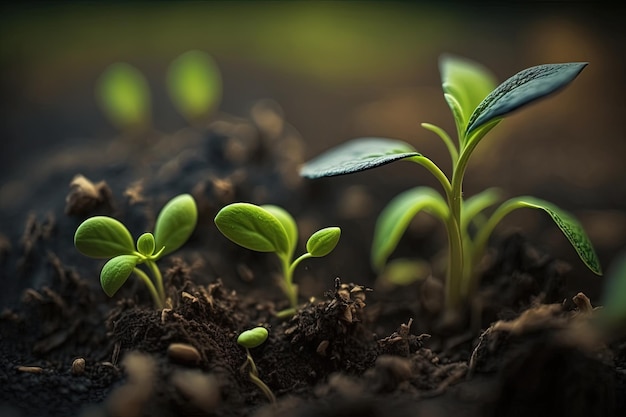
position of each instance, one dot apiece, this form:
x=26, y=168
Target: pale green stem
x=434, y=169
x=153, y=292
x=254, y=377
x=454, y=153
x=157, y=277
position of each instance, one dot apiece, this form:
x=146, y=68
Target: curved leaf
x=115, y=273
x=395, y=218
x=357, y=155
x=124, y=96
x=322, y=242
x=289, y=224
x=570, y=227
x=253, y=337
x=523, y=88
x=195, y=84
x=175, y=223
x=103, y=237
x=465, y=84
x=477, y=203
x=252, y=227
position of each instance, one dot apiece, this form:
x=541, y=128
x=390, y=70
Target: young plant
x=251, y=339
x=477, y=106
x=105, y=237
x=270, y=228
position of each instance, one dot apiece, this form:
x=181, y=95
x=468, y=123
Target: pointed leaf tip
x=523, y=88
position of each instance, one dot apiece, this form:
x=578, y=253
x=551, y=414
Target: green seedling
x=105, y=237
x=195, y=84
x=251, y=339
x=477, y=106
x=124, y=96
x=270, y=228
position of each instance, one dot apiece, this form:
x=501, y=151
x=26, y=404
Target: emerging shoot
x=251, y=339
x=271, y=229
x=105, y=237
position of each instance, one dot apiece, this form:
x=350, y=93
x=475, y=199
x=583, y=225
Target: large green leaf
x=252, y=227
x=357, y=155
x=570, y=227
x=521, y=89
x=474, y=205
x=322, y=242
x=395, y=218
x=195, y=84
x=289, y=224
x=465, y=84
x=175, y=223
x=115, y=273
x=103, y=237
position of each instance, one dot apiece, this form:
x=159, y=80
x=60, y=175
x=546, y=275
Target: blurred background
x=338, y=70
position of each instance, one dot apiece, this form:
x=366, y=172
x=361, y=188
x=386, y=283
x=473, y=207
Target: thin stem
x=146, y=280
x=254, y=377
x=158, y=278
x=287, y=285
x=434, y=169
x=452, y=150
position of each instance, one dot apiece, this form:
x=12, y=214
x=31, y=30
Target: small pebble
x=30, y=369
x=78, y=366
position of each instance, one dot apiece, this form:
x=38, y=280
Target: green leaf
x=570, y=227
x=195, y=84
x=145, y=244
x=175, y=223
x=103, y=237
x=474, y=205
x=465, y=84
x=395, y=218
x=322, y=242
x=115, y=273
x=252, y=227
x=289, y=224
x=124, y=96
x=523, y=88
x=253, y=337
x=357, y=155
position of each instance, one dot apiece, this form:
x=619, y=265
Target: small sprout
x=251, y=339
x=477, y=105
x=270, y=228
x=105, y=237
x=124, y=96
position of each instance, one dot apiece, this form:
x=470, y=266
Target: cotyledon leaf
x=252, y=227
x=570, y=227
x=115, y=273
x=523, y=88
x=357, y=155
x=289, y=224
x=175, y=223
x=103, y=237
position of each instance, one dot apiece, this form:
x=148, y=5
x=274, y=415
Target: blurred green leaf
x=396, y=216
x=124, y=95
x=195, y=84
x=465, y=84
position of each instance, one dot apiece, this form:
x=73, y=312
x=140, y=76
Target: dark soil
x=351, y=349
